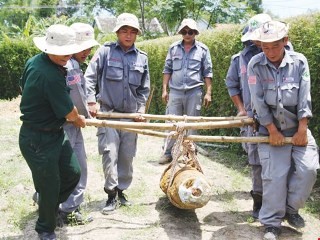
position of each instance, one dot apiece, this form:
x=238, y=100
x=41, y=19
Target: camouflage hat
x=188, y=22
x=127, y=19
x=254, y=23
x=272, y=31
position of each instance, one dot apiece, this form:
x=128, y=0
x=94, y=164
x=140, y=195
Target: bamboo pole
x=202, y=138
x=168, y=126
x=166, y=117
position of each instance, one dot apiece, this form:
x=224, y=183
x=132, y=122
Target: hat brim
x=69, y=49
x=127, y=24
x=247, y=37
x=191, y=27
x=87, y=44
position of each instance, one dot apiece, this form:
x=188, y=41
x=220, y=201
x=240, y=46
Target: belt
x=44, y=129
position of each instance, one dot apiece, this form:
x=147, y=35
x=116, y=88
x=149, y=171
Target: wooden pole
x=202, y=138
x=169, y=126
x=166, y=117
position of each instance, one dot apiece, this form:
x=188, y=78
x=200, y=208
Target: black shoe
x=111, y=205
x=123, y=198
x=73, y=218
x=257, y=203
x=295, y=220
x=271, y=233
x=47, y=236
x=35, y=198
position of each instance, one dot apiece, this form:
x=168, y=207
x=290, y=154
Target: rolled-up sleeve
x=168, y=63
x=92, y=74
x=304, y=102
x=207, y=64
x=233, y=79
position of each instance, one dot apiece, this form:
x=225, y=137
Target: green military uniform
x=44, y=104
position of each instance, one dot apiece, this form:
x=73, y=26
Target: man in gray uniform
x=279, y=82
x=187, y=68
x=237, y=84
x=70, y=209
x=122, y=74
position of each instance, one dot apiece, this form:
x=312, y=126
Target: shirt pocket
x=135, y=74
x=270, y=92
x=114, y=71
x=290, y=94
x=176, y=63
x=195, y=63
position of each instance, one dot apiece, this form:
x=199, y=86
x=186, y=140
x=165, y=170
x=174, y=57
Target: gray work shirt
x=77, y=85
x=245, y=56
x=237, y=80
x=122, y=79
x=280, y=96
x=188, y=70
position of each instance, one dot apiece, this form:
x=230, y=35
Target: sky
x=289, y=8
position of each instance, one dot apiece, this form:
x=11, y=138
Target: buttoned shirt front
x=122, y=78
x=280, y=95
x=188, y=69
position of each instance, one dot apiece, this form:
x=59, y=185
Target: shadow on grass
x=178, y=223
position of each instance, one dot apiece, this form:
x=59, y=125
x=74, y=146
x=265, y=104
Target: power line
x=40, y=7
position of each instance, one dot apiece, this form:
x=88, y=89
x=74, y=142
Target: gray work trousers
x=77, y=143
x=118, y=148
x=253, y=159
x=183, y=103
x=285, y=190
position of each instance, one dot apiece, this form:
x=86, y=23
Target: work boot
x=47, y=236
x=295, y=220
x=271, y=233
x=165, y=159
x=123, y=198
x=112, y=203
x=257, y=203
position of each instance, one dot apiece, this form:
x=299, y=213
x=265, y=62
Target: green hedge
x=223, y=43
x=13, y=55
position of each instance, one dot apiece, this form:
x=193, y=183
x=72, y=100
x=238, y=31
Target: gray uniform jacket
x=122, y=78
x=188, y=70
x=280, y=96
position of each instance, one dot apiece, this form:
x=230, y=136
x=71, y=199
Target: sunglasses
x=189, y=32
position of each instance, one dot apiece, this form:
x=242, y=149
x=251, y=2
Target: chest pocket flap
x=195, y=62
x=176, y=62
x=114, y=70
x=136, y=72
x=290, y=93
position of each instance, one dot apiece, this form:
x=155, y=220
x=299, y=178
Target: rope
x=176, y=151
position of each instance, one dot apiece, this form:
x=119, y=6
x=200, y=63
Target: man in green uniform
x=45, y=106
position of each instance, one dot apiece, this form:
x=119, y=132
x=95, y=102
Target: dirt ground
x=153, y=217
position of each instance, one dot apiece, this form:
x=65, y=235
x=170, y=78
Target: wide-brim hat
x=190, y=23
x=84, y=35
x=272, y=31
x=59, y=40
x=254, y=23
x=127, y=19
